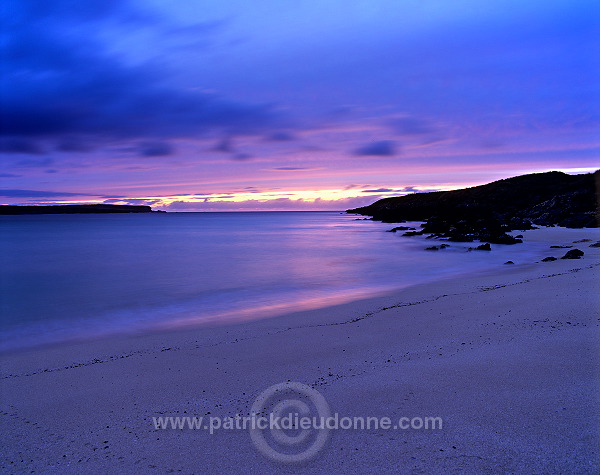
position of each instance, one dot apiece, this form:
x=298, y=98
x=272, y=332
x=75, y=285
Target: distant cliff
x=552, y=198
x=72, y=209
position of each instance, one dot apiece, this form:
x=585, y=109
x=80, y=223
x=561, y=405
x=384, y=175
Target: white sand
x=509, y=360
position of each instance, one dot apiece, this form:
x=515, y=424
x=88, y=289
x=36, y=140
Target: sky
x=278, y=105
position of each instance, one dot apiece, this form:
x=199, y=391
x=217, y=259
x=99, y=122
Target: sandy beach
x=509, y=359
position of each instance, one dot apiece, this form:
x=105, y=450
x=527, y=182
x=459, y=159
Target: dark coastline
x=487, y=212
x=546, y=199
x=74, y=209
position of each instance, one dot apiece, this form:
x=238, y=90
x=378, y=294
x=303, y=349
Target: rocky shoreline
x=487, y=213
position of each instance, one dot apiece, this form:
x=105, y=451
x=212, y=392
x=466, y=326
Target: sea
x=77, y=276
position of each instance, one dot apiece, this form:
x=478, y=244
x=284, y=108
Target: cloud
x=241, y=156
x=19, y=145
x=283, y=204
x=352, y=186
x=155, y=149
x=35, y=162
x=62, y=81
x=9, y=175
x=405, y=189
x=381, y=148
x=37, y=194
x=225, y=145
x=106, y=76
x=132, y=201
x=72, y=144
x=414, y=189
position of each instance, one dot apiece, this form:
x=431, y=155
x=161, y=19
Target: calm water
x=75, y=276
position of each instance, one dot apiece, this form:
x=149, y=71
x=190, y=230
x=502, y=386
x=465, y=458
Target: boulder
x=549, y=259
x=413, y=233
x=484, y=247
x=502, y=238
x=573, y=254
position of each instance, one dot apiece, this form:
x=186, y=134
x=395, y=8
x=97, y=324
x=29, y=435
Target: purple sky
x=265, y=104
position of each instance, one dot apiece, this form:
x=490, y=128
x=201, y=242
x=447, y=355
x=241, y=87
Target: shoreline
x=477, y=264
x=509, y=360
x=326, y=315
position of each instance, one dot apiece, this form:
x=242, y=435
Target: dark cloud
x=90, y=11
x=352, y=186
x=62, y=81
x=35, y=162
x=9, y=175
x=378, y=190
x=241, y=156
x=155, y=149
x=225, y=145
x=250, y=189
x=19, y=145
x=381, y=148
x=37, y=194
x=71, y=144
